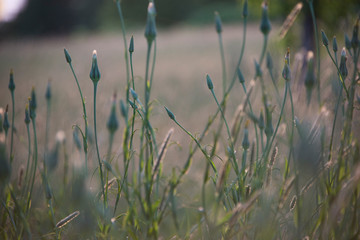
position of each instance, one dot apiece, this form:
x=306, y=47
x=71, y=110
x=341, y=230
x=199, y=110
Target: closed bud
x=355, y=36
x=310, y=75
x=6, y=123
x=27, y=115
x=347, y=42
x=76, y=139
x=134, y=94
x=258, y=71
x=94, y=72
x=67, y=56
x=286, y=73
x=245, y=12
x=324, y=39
x=131, y=46
x=245, y=142
x=171, y=115
x=218, y=25
x=123, y=109
x=112, y=123
x=48, y=91
x=335, y=46
x=33, y=104
x=240, y=76
x=11, y=82
x=269, y=62
x=209, y=82
x=261, y=122
x=343, y=68
x=265, y=25
x=269, y=130
x=150, y=28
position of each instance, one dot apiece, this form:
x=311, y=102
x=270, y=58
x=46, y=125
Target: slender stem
x=292, y=132
x=12, y=127
x=35, y=165
x=97, y=149
x=317, y=48
x=85, y=138
x=28, y=160
x=46, y=134
x=123, y=30
x=266, y=37
x=133, y=118
x=223, y=65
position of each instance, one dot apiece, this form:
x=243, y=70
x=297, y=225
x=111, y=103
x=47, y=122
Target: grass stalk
x=12, y=127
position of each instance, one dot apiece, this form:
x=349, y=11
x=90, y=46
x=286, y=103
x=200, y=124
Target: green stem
x=223, y=65
x=35, y=165
x=46, y=134
x=28, y=160
x=266, y=37
x=97, y=149
x=317, y=48
x=12, y=128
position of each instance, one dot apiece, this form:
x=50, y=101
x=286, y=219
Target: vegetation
x=270, y=173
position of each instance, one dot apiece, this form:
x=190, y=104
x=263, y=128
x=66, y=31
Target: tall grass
x=299, y=181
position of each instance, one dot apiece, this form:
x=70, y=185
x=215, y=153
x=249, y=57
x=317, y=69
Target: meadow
x=218, y=132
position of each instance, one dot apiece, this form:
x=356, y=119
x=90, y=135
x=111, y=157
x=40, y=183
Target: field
x=267, y=161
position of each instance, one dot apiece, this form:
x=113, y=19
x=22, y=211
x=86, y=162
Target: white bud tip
x=60, y=136
x=343, y=52
x=310, y=55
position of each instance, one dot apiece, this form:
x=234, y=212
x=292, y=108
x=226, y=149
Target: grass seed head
x=342, y=67
x=94, y=71
x=265, y=25
x=67, y=219
x=335, y=46
x=150, y=28
x=218, y=24
x=209, y=82
x=324, y=38
x=293, y=203
x=11, y=81
x=245, y=142
x=67, y=56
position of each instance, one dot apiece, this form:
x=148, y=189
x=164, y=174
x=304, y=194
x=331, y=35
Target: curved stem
x=223, y=65
x=35, y=165
x=12, y=128
x=28, y=160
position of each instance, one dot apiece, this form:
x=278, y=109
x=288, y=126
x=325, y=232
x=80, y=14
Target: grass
x=215, y=175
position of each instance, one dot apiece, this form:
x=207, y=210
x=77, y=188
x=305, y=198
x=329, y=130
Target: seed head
x=324, y=38
x=335, y=46
x=209, y=82
x=67, y=219
x=347, y=42
x=342, y=67
x=11, y=82
x=171, y=115
x=131, y=46
x=240, y=76
x=113, y=123
x=67, y=56
x=286, y=73
x=265, y=25
x=218, y=24
x=94, y=72
x=48, y=91
x=245, y=12
x=150, y=28
x=355, y=36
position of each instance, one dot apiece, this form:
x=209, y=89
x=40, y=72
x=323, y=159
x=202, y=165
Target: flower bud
x=150, y=28
x=310, y=75
x=347, y=42
x=324, y=38
x=245, y=12
x=209, y=82
x=11, y=82
x=27, y=115
x=240, y=76
x=94, y=72
x=48, y=91
x=33, y=104
x=261, y=122
x=258, y=71
x=171, y=115
x=112, y=123
x=76, y=139
x=67, y=56
x=269, y=130
x=355, y=36
x=123, y=109
x=269, y=62
x=134, y=94
x=335, y=46
x=265, y=25
x=6, y=123
x=131, y=46
x=245, y=142
x=218, y=25
x=286, y=73
x=343, y=68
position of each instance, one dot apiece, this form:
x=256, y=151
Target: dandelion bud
x=286, y=73
x=94, y=72
x=347, y=42
x=355, y=36
x=265, y=25
x=171, y=115
x=240, y=76
x=33, y=104
x=150, y=28
x=324, y=38
x=27, y=115
x=67, y=56
x=112, y=123
x=209, y=82
x=131, y=46
x=48, y=91
x=269, y=62
x=218, y=25
x=335, y=46
x=123, y=109
x=258, y=71
x=343, y=68
x=6, y=124
x=245, y=142
x=11, y=82
x=245, y=12
x=261, y=122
